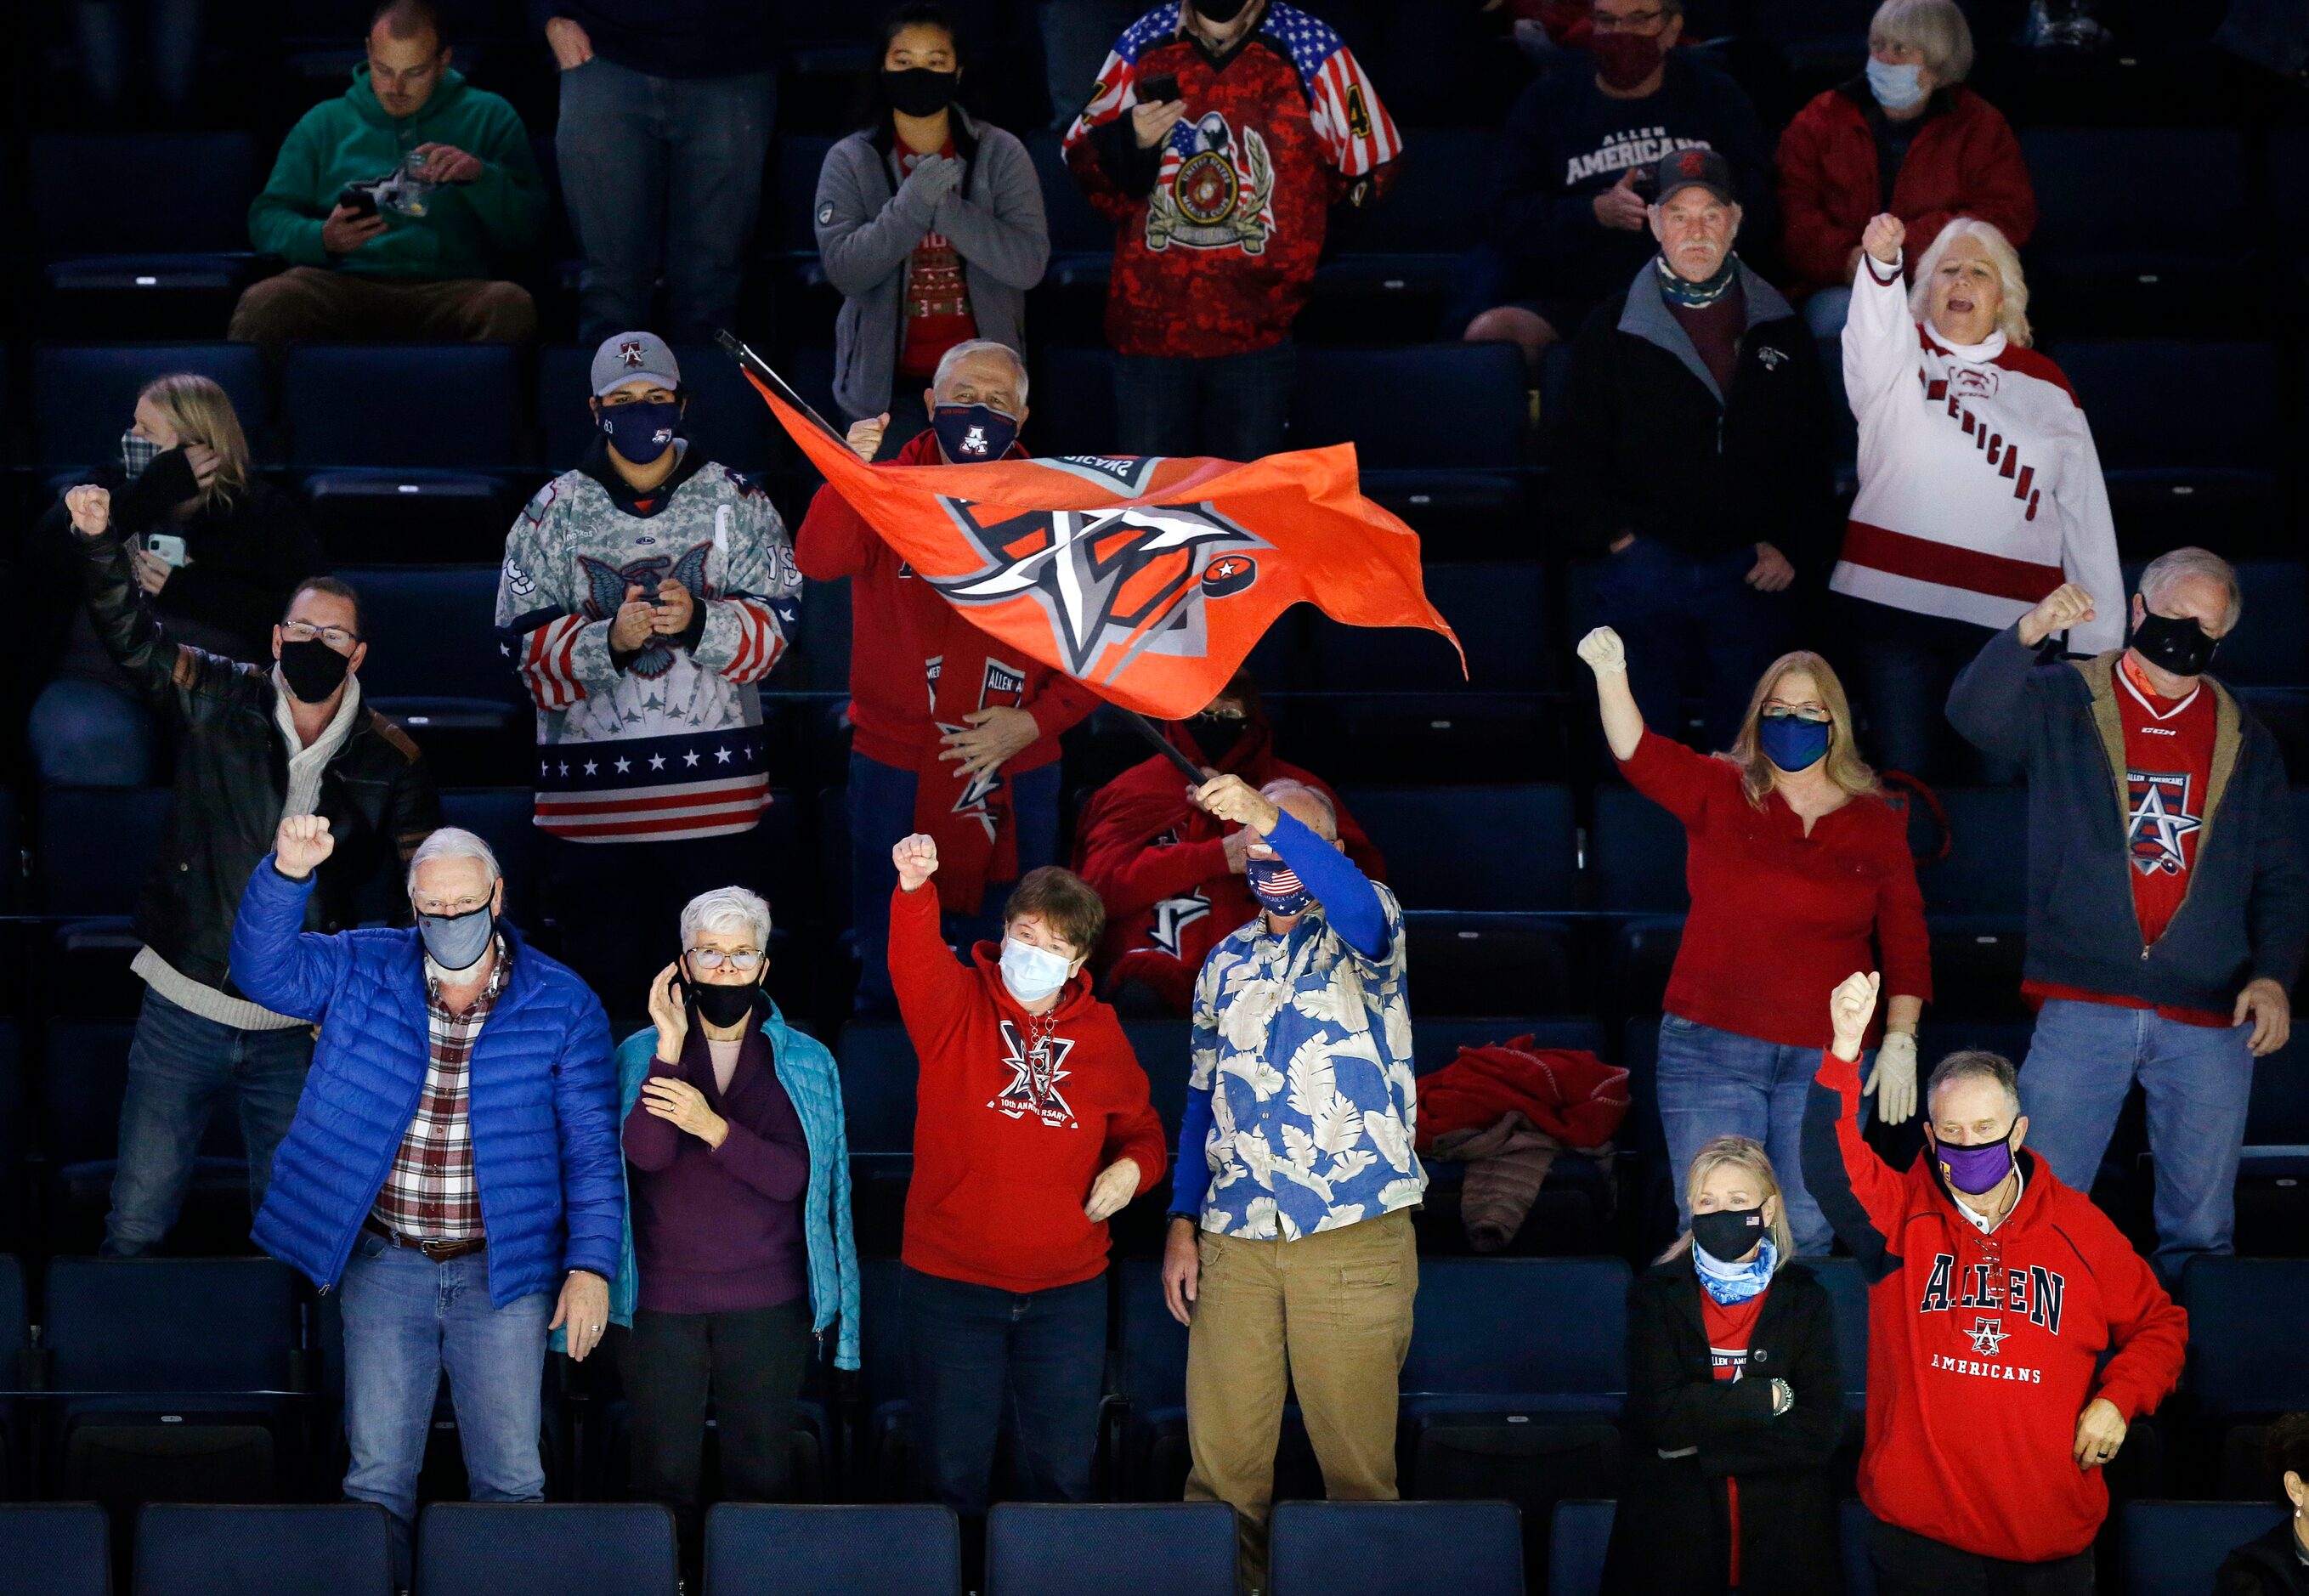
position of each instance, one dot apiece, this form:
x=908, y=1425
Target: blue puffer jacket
x=543, y=1097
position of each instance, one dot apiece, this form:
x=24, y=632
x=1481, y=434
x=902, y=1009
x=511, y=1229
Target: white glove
x=1604, y=652
x=1894, y=1078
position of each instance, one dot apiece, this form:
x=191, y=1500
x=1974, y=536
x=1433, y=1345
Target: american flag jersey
x=672, y=745
x=1218, y=257
x=430, y=1193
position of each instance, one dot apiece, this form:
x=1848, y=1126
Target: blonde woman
x=1980, y=488
x=1736, y=1400
x=216, y=550
x=1797, y=865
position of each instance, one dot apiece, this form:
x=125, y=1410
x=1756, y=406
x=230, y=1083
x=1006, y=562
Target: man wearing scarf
x=1172, y=872
x=1694, y=446
x=955, y=735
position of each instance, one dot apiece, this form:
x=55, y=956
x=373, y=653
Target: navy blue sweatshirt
x=1566, y=141
x=673, y=38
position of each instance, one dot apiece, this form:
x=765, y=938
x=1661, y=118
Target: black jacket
x=232, y=777
x=1671, y=1532
x=2269, y=1567
x=1646, y=444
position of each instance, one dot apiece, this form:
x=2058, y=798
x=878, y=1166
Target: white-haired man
x=461, y=1224
x=2162, y=946
x=955, y=735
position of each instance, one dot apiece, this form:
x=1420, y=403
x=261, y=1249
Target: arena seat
x=1635, y=854
x=2244, y=1316
x=882, y=1453
x=1493, y=848
x=134, y=211
x=1159, y=1548
x=57, y=1548
x=87, y=394
x=83, y=1077
x=1396, y=1549
x=754, y=1548
x=788, y=228
x=878, y=1071
x=343, y=1548
x=15, y=1337
x=434, y=662
x=1576, y=1549
x=349, y=405
x=1446, y=451
x=2178, y=1545
x=1847, y=1294
x=1976, y=898
x=489, y=1548
x=2138, y=229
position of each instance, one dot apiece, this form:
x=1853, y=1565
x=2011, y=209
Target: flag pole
x=1163, y=746
x=750, y=361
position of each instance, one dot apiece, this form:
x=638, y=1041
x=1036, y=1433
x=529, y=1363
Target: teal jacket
x=806, y=1069
x=468, y=227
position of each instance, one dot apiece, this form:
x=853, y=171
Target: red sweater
x=1964, y=162
x=1009, y=1135
x=889, y=686
x=1981, y=1348
x=1778, y=918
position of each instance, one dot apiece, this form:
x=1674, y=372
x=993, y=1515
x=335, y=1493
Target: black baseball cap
x=1697, y=167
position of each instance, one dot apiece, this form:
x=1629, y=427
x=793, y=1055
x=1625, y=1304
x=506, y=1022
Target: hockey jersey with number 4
x=665, y=743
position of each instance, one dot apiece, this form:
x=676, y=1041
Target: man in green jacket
x=447, y=188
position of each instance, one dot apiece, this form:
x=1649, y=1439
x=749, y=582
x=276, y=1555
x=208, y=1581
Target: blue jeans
x=662, y=175
x=87, y=734
x=1235, y=407
x=1825, y=311
x=1692, y=623
x=408, y=1321
x=1719, y=1084
x=975, y=1354
x=179, y=1065
x=2083, y=1059
x=882, y=812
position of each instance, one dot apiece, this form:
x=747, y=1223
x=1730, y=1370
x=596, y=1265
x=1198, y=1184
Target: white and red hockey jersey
x=1980, y=489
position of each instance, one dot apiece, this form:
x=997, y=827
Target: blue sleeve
x=1348, y=899
x=593, y=1162
x=275, y=961
x=1191, y=1178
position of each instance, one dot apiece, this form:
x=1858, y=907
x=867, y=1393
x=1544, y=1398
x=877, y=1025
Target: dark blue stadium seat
x=489, y=1548
x=502, y=817
x=1163, y=1048
x=821, y=657
x=1976, y=898
x=1076, y=230
x=2178, y=1545
x=433, y=660
x=1499, y=609
x=878, y=1071
x=1473, y=848
x=342, y=1548
x=112, y=210
x=350, y=405
x=1151, y=1372
x=1159, y=1548
x=1446, y=453
x=1396, y=1549
x=97, y=847
x=2104, y=255
x=57, y=1548
x=755, y=1549
x=1478, y=964
x=15, y=1336
x=725, y=417
x=1582, y=1536
x=1635, y=854
x=1569, y=1354
x=88, y=393
x=1389, y=268
x=1072, y=398
x=2245, y=1317
x=882, y=1465
x=1848, y=1292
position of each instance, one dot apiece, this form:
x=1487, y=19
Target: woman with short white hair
x=738, y=1241
x=1980, y=488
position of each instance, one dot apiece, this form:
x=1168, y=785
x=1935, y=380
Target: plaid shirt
x=430, y=1193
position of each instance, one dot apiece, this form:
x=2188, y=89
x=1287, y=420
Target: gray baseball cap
x=629, y=355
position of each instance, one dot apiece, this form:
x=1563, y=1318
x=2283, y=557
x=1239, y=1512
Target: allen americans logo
x=630, y=353
x=1003, y=685
x=1987, y=1335
x=1035, y=1075
x=974, y=441
x=2034, y=1293
x=1134, y=579
x=2157, y=821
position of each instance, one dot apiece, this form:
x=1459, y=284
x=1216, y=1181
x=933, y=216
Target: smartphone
x=1159, y=87
x=167, y=546
x=357, y=200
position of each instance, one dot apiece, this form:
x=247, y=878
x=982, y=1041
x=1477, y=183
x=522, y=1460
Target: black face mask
x=1729, y=1234
x=917, y=92
x=2173, y=643
x=723, y=1006
x=1217, y=736
x=313, y=669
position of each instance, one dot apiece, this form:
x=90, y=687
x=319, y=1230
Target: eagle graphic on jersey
x=1035, y=1075
x=608, y=586
x=2158, y=817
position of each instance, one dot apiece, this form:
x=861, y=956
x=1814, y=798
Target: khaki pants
x=306, y=303
x=1330, y=1315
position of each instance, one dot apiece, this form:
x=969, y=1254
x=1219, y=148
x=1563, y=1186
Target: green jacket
x=468, y=227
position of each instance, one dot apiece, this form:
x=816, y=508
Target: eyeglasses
x=1817, y=717
x=705, y=958
x=1635, y=21
x=336, y=637
x=435, y=907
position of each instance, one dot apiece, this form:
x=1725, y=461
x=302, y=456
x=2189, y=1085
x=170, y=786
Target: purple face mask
x=1975, y=1170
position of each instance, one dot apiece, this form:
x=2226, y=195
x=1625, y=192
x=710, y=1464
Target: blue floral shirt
x=1305, y=1044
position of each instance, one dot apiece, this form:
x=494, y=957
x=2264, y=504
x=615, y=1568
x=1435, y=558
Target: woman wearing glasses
x=739, y=1241
x=1798, y=863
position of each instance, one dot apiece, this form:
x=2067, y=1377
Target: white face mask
x=1031, y=973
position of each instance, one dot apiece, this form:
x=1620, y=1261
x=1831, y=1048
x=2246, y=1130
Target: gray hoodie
x=867, y=227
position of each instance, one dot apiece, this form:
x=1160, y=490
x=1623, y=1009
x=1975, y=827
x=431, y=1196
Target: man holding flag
x=955, y=734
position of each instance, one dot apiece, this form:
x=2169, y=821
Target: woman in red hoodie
x=1995, y=1290
x=1031, y=1129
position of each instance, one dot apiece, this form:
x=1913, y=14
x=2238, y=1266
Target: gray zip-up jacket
x=867, y=227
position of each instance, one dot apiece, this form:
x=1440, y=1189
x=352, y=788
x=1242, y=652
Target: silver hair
x=1974, y=1064
x=1935, y=29
x=727, y=909
x=1281, y=787
x=973, y=346
x=2012, y=314
x=2181, y=563
x=452, y=843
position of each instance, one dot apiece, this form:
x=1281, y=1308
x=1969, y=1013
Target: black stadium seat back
x=1494, y=849
x=1450, y=406
x=1635, y=854
x=877, y=1551
x=1436, y=205
x=879, y=1070
x=2245, y=1317
x=1163, y=1549
x=351, y=405
x=2233, y=418
x=1397, y=1548
x=98, y=847
x=1499, y=610
x=170, y=1325
x=491, y=1549
x=87, y=394
x=1847, y=1295
x=2197, y=176
x=1568, y=1352
x=1075, y=225
x=431, y=632
x=98, y=193
x=83, y=1077
x=1582, y=1539
x=1072, y=398
x=2168, y=1547
x=56, y=1548
x=344, y=1547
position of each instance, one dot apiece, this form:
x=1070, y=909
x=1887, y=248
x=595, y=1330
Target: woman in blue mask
x=1735, y=1399
x=1905, y=136
x=1797, y=864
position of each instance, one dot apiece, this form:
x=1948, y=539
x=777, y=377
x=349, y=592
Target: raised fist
x=2066, y=606
x=916, y=858
x=300, y=845
x=865, y=437
x=91, y=508
x=1604, y=652
x=1883, y=238
x=1849, y=1009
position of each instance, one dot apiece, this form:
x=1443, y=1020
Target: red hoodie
x=1007, y=1138
x=1981, y=1348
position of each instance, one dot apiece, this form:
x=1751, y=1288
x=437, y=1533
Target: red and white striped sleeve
x=761, y=639
x=1355, y=129
x=545, y=659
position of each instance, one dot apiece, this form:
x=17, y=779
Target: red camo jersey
x=1218, y=256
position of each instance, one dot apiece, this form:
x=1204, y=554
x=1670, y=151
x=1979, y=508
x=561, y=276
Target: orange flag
x=1149, y=580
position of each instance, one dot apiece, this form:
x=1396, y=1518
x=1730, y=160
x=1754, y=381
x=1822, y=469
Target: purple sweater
x=718, y=1229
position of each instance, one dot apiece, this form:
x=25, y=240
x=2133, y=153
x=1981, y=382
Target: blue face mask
x=1277, y=886
x=1792, y=742
x=973, y=433
x=642, y=432
x=1031, y=973
x=457, y=942
x=1896, y=88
